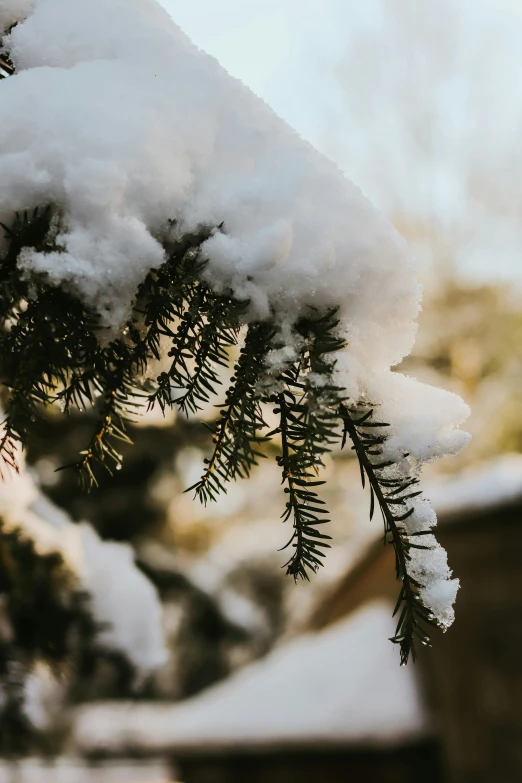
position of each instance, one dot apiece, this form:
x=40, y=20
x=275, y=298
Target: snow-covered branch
x=181, y=209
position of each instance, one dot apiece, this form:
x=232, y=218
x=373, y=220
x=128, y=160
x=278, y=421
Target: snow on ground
x=122, y=599
x=117, y=118
x=340, y=686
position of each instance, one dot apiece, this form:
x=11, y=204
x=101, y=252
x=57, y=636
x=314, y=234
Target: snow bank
x=115, y=116
x=340, y=686
x=121, y=598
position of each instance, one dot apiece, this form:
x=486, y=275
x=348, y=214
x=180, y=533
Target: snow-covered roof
x=342, y=686
x=71, y=770
x=480, y=488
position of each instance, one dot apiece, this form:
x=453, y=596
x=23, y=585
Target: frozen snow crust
x=115, y=117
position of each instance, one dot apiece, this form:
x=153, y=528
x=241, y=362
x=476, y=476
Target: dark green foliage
x=121, y=507
x=308, y=407
x=236, y=434
x=52, y=349
x=208, y=328
x=6, y=65
x=392, y=491
x=44, y=617
x=46, y=334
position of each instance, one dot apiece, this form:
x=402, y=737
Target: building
x=334, y=704
x=335, y=701
x=472, y=677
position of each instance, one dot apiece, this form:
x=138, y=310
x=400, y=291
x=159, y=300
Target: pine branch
x=117, y=371
x=161, y=298
x=218, y=334
x=184, y=348
x=180, y=296
x=102, y=449
x=237, y=433
x=39, y=355
x=29, y=230
x=50, y=351
x=303, y=504
x=6, y=66
x=112, y=377
x=25, y=368
x=309, y=426
x=392, y=492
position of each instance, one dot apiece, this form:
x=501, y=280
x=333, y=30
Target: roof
x=71, y=770
x=343, y=686
x=480, y=488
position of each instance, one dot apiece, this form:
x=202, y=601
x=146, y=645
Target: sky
x=420, y=103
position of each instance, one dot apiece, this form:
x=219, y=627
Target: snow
x=122, y=599
x=71, y=770
x=425, y=427
x=479, y=488
x=183, y=139
x=117, y=118
x=340, y=686
x=430, y=568
x=44, y=697
x=476, y=490
x=424, y=417
x=13, y=10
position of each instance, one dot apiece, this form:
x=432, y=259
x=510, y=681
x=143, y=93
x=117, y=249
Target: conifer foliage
x=54, y=351
x=46, y=619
